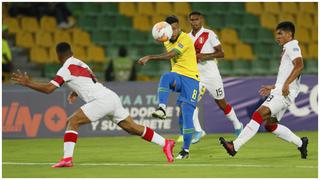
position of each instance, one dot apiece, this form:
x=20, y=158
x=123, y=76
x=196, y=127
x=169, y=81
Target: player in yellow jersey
x=183, y=78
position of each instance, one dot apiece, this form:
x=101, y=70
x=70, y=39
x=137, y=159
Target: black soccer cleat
x=303, y=149
x=228, y=146
x=183, y=155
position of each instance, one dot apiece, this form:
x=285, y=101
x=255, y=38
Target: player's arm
x=218, y=53
x=24, y=80
x=295, y=73
x=164, y=56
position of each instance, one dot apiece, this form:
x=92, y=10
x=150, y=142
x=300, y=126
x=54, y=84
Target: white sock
x=287, y=135
x=68, y=148
x=70, y=139
x=163, y=106
x=233, y=118
x=157, y=139
x=248, y=132
x=196, y=123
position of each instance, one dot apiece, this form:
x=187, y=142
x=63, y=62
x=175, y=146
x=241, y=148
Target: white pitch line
x=167, y=165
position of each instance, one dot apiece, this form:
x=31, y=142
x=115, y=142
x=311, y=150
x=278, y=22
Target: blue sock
x=165, y=85
x=181, y=124
x=188, y=128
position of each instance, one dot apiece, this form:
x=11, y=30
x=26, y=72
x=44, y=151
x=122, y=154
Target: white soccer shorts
x=277, y=104
x=109, y=104
x=212, y=81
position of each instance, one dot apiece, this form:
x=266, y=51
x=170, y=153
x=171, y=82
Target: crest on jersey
x=180, y=45
x=201, y=40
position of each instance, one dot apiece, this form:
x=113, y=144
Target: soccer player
x=280, y=96
x=100, y=101
x=183, y=78
x=208, y=49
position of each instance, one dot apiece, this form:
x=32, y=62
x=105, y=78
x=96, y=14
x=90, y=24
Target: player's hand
x=72, y=97
x=199, y=57
x=144, y=60
x=285, y=90
x=21, y=78
x=265, y=90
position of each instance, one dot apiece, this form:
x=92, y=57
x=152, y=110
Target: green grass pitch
x=264, y=156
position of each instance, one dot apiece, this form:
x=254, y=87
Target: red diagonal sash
x=198, y=44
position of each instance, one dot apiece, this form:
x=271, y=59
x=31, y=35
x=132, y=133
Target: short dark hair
x=63, y=48
x=172, y=19
x=286, y=26
x=195, y=13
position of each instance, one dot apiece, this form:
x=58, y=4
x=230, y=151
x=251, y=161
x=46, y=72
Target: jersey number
x=219, y=92
x=194, y=94
x=269, y=98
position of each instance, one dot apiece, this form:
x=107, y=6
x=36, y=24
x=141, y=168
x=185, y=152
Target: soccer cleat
x=180, y=139
x=183, y=155
x=228, y=146
x=197, y=136
x=65, y=162
x=159, y=113
x=167, y=149
x=303, y=149
x=238, y=131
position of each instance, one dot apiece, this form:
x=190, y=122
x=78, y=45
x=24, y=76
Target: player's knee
x=262, y=114
x=73, y=123
x=270, y=127
x=256, y=116
x=167, y=77
x=222, y=103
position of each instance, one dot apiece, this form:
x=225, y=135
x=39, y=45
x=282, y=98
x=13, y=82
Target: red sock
x=151, y=136
x=271, y=127
x=256, y=116
x=227, y=109
x=148, y=134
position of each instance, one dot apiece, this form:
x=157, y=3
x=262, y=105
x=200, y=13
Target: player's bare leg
x=149, y=135
x=231, y=115
x=77, y=119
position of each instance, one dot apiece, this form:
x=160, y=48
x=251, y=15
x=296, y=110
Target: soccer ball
x=162, y=31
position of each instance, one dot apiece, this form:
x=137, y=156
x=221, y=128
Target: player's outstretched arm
x=24, y=80
x=296, y=72
x=164, y=56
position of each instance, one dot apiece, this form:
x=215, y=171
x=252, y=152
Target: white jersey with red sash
x=100, y=101
x=204, y=42
x=78, y=77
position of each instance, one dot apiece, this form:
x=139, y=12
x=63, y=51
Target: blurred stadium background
x=111, y=37
x=96, y=30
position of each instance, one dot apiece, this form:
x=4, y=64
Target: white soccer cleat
x=198, y=136
x=159, y=113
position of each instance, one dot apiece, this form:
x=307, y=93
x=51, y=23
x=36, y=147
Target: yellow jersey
x=185, y=63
